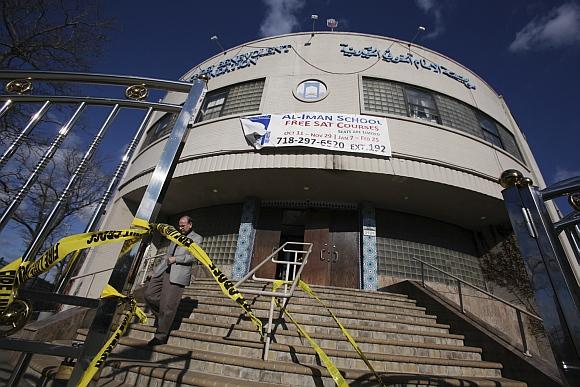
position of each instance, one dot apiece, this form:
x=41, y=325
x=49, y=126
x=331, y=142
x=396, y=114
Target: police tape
x=224, y=283
x=17, y=272
x=304, y=286
x=332, y=370
x=107, y=348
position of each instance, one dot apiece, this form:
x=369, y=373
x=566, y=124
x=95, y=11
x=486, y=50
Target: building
x=423, y=185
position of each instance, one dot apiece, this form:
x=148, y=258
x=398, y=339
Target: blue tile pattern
x=369, y=250
x=245, y=239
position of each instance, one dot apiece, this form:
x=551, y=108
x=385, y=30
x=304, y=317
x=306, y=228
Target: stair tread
x=329, y=351
x=236, y=312
x=181, y=352
x=321, y=291
x=183, y=377
x=406, y=311
x=246, y=326
x=340, y=337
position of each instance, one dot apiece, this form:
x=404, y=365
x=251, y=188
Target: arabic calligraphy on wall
x=241, y=61
x=418, y=63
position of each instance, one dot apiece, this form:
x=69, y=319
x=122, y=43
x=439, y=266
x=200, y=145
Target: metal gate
x=552, y=278
x=18, y=92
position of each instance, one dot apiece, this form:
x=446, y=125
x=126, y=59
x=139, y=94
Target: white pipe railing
x=300, y=259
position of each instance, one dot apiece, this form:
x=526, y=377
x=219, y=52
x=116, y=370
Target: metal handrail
x=286, y=295
x=518, y=310
x=121, y=80
x=165, y=107
x=88, y=274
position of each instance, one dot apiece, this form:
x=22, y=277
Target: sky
x=527, y=50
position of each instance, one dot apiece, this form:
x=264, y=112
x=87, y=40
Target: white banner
x=331, y=131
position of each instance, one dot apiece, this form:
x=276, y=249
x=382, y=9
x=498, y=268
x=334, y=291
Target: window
x=392, y=98
x=382, y=96
x=239, y=98
x=160, y=128
x=421, y=105
x=490, y=132
x=458, y=115
x=509, y=142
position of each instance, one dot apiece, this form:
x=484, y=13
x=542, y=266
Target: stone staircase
x=216, y=345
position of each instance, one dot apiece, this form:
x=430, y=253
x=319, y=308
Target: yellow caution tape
x=304, y=286
x=334, y=372
x=17, y=272
x=225, y=284
x=128, y=315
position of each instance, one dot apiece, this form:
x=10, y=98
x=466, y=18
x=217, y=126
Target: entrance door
x=335, y=258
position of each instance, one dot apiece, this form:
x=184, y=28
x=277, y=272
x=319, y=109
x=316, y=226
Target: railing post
x=552, y=278
x=269, y=330
x=422, y=274
x=460, y=296
x=123, y=274
x=523, y=334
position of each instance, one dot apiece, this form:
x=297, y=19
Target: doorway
x=335, y=257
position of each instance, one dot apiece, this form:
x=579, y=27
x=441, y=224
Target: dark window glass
x=160, y=128
x=509, y=142
x=490, y=132
x=421, y=105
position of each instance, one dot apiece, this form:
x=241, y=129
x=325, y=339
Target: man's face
x=184, y=226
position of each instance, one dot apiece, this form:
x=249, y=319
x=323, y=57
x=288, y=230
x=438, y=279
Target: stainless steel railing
x=300, y=251
x=459, y=282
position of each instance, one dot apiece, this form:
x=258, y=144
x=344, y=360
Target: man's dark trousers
x=163, y=297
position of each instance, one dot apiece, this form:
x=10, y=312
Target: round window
x=311, y=90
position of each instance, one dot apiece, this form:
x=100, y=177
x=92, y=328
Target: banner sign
x=331, y=131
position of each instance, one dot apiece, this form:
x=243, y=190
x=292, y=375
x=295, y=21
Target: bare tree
x=504, y=267
x=50, y=34
x=35, y=209
x=57, y=35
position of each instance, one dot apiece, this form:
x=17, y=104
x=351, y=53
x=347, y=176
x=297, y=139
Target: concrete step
x=138, y=373
x=319, y=318
x=343, y=359
x=261, y=309
x=290, y=373
x=324, y=293
x=357, y=329
x=331, y=344
x=263, y=302
x=287, y=334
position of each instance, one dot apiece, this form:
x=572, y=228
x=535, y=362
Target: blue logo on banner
x=265, y=122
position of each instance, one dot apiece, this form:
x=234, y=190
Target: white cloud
x=280, y=17
x=434, y=8
x=563, y=173
x=425, y=5
x=561, y=27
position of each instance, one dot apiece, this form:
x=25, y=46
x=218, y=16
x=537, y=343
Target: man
x=169, y=278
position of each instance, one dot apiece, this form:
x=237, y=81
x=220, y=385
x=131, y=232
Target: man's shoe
x=155, y=341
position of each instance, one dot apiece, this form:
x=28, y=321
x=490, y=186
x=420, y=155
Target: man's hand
x=171, y=260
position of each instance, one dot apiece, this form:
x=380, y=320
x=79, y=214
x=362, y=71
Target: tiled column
x=245, y=238
x=369, y=250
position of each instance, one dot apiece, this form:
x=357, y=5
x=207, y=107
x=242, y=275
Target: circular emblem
x=14, y=317
x=136, y=92
x=311, y=90
x=19, y=86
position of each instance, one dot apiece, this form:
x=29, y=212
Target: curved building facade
x=377, y=152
